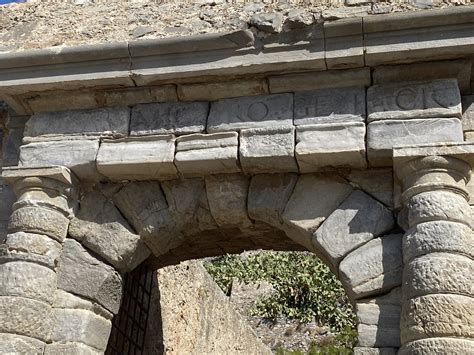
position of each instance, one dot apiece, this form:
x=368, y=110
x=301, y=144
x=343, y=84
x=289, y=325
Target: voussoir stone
x=78, y=325
x=82, y=274
x=441, y=315
x=39, y=220
x=17, y=344
x=109, y=121
x=438, y=346
x=100, y=227
x=25, y=316
x=439, y=273
x=430, y=237
x=354, y=222
x=63, y=299
x=70, y=348
x=378, y=183
x=268, y=196
x=373, y=268
x=437, y=98
x=169, y=118
x=251, y=112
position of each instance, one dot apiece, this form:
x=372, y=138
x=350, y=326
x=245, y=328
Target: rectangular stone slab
x=169, y=118
x=140, y=158
x=382, y=136
x=251, y=112
x=268, y=150
x=330, y=106
x=436, y=98
x=204, y=154
x=330, y=145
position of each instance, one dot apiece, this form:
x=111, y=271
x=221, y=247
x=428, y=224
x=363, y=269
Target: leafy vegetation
x=306, y=290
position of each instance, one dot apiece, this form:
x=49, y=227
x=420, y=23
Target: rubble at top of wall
x=40, y=24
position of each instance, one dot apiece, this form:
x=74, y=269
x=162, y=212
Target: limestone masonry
x=353, y=140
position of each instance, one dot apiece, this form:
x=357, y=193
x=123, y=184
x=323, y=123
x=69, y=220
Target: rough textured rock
x=196, y=317
x=82, y=274
x=100, y=227
x=373, y=268
x=374, y=351
x=70, y=348
x=67, y=300
x=354, y=222
x=267, y=22
x=437, y=345
x=17, y=344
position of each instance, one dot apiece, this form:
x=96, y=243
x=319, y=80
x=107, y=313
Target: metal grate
x=129, y=325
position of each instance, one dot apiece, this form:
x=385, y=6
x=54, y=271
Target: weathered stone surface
x=7, y=196
x=439, y=205
x=227, y=196
x=468, y=113
x=459, y=69
x=78, y=325
x=268, y=196
x=431, y=237
x=354, y=222
x=29, y=280
x=330, y=106
x=204, y=154
x=17, y=344
x=82, y=274
x=268, y=150
x=374, y=351
x=102, y=121
x=39, y=220
x=138, y=158
x=319, y=80
x=219, y=90
x=344, y=43
x=78, y=155
x=378, y=183
x=11, y=147
x=441, y=315
x=323, y=146
x=250, y=112
x=100, y=227
x=469, y=136
x=373, y=268
x=382, y=136
x=61, y=100
x=437, y=346
x=169, y=118
x=437, y=98
x=24, y=316
x=267, y=22
x=439, y=273
x=70, y=348
x=63, y=299
x=31, y=246
x=132, y=96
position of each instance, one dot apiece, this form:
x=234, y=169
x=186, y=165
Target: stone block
x=39, y=220
x=436, y=98
x=24, y=316
x=17, y=344
x=28, y=280
x=61, y=100
x=268, y=196
x=7, y=196
x=439, y=273
x=110, y=121
x=205, y=154
x=459, y=69
x=251, y=112
x=70, y=348
x=468, y=113
x=354, y=222
x=373, y=268
x=78, y=325
x=327, y=146
x=132, y=96
x=220, y=90
x=100, y=227
x=378, y=183
x=65, y=299
x=11, y=147
x=344, y=43
x=441, y=315
x=227, y=196
x=76, y=154
x=138, y=158
x=382, y=136
x=430, y=237
x=332, y=105
x=437, y=346
x=82, y=274
x=268, y=150
x=469, y=136
x=358, y=350
x=313, y=199
x=319, y=80
x=169, y=118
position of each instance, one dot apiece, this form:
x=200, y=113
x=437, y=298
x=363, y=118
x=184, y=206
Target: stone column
x=29, y=255
x=438, y=249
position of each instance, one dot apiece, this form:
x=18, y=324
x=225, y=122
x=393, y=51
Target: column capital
x=58, y=173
